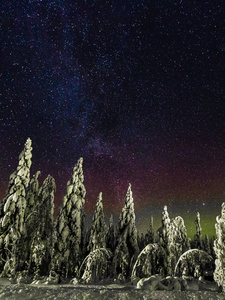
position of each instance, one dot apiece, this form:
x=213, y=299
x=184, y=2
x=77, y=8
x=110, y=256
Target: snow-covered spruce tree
x=43, y=238
x=180, y=242
x=68, y=254
x=98, y=228
x=166, y=242
x=219, y=247
x=198, y=236
x=12, y=230
x=127, y=248
x=180, y=237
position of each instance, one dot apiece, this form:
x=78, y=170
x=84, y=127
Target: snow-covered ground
x=91, y=292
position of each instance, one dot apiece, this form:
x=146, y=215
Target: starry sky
x=135, y=87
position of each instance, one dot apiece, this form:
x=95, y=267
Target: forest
x=36, y=247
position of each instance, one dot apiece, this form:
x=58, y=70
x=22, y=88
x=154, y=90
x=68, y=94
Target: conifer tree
x=166, y=227
x=219, y=247
x=98, y=228
x=127, y=244
x=12, y=224
x=43, y=238
x=69, y=227
x=166, y=241
x=180, y=234
x=198, y=236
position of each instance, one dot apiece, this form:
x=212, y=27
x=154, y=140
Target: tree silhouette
x=198, y=236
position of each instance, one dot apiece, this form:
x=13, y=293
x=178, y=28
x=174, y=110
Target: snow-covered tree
x=12, y=229
x=194, y=263
x=96, y=266
x=98, y=228
x=69, y=227
x=179, y=241
x=166, y=241
x=180, y=237
x=219, y=247
x=149, y=262
x=198, y=236
x=15, y=199
x=166, y=233
x=126, y=232
x=43, y=238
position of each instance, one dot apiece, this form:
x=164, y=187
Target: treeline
x=34, y=245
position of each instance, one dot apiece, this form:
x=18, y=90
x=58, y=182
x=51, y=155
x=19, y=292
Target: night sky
x=134, y=87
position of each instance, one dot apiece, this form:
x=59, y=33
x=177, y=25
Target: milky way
x=134, y=87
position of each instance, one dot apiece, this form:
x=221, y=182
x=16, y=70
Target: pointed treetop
x=79, y=163
x=99, y=201
x=99, y=207
x=129, y=197
x=49, y=183
x=36, y=175
x=165, y=216
x=197, y=222
x=77, y=172
x=129, y=191
x=127, y=215
x=28, y=148
x=28, y=143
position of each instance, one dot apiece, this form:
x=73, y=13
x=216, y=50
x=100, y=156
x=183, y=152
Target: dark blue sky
x=135, y=87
